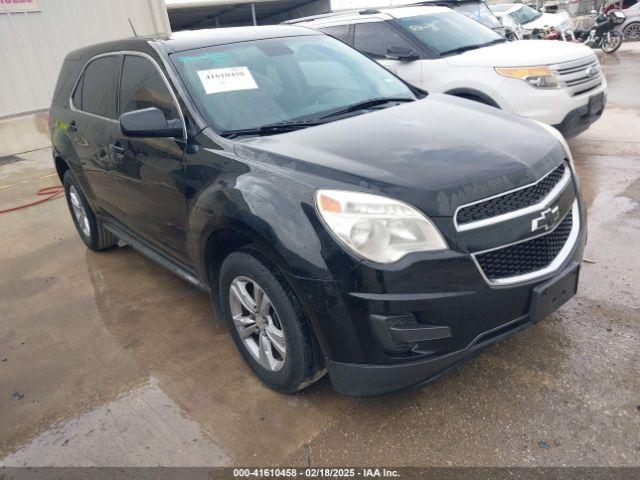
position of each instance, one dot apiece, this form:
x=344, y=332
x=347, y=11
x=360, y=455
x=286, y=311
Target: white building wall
x=33, y=44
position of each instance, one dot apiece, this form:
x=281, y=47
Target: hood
x=523, y=53
x=436, y=153
x=548, y=20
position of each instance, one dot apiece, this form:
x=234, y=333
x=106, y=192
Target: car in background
x=441, y=50
x=631, y=26
x=532, y=20
x=475, y=9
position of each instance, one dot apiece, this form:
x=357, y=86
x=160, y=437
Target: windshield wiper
x=461, y=49
x=493, y=42
x=270, y=128
x=472, y=47
x=366, y=104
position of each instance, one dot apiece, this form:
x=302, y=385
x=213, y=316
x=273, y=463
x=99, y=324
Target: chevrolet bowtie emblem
x=546, y=220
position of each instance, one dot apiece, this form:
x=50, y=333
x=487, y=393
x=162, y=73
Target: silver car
x=631, y=26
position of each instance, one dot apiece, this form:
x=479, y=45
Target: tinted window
x=341, y=32
x=374, y=39
x=142, y=86
x=77, y=95
x=96, y=90
x=98, y=86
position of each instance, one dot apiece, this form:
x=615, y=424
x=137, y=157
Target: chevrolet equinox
x=342, y=220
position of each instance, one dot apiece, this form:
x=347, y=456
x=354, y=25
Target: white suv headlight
x=375, y=227
x=537, y=77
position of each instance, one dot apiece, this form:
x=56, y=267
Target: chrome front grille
x=527, y=256
x=514, y=237
x=513, y=201
x=579, y=76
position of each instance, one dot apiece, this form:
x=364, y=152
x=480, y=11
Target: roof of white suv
x=349, y=16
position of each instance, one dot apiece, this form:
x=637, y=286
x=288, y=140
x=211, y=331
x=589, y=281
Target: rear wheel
x=89, y=227
x=267, y=323
x=632, y=32
x=611, y=42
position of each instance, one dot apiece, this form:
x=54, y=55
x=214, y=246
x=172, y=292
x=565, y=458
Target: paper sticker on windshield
x=217, y=80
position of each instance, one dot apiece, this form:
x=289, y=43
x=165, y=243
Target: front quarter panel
x=244, y=193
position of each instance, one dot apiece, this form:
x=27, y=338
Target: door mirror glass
x=149, y=122
x=403, y=54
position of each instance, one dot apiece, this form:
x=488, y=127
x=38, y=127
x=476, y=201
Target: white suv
x=440, y=50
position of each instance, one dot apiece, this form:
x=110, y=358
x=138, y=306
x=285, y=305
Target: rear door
x=374, y=38
x=91, y=123
x=148, y=171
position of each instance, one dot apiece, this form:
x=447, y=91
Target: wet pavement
x=107, y=359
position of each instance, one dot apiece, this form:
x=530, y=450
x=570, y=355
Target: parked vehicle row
x=440, y=50
x=531, y=21
x=605, y=32
x=342, y=219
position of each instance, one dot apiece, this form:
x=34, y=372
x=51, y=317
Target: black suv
x=341, y=220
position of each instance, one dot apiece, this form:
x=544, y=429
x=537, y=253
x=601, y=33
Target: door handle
x=73, y=126
x=119, y=153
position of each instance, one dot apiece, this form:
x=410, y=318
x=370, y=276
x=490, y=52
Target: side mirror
x=403, y=54
x=149, y=122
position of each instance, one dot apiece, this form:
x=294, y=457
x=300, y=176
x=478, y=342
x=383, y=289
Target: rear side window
x=341, y=32
x=141, y=86
x=96, y=90
x=373, y=39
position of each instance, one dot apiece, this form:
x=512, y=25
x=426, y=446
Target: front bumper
x=364, y=380
x=553, y=106
x=579, y=119
x=385, y=330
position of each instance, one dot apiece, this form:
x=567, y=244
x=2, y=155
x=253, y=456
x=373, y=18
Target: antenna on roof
x=132, y=28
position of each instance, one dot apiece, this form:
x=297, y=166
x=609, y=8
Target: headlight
x=376, y=227
x=556, y=133
x=538, y=77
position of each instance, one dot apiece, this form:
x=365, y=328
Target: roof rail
x=368, y=11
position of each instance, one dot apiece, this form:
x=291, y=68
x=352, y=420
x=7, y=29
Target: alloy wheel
x=257, y=323
x=632, y=32
x=79, y=211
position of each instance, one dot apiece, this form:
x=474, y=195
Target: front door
x=374, y=38
x=149, y=171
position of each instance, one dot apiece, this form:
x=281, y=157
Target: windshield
x=480, y=13
x=525, y=14
x=251, y=84
x=447, y=32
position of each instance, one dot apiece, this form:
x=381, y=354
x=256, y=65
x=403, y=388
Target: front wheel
x=268, y=324
x=611, y=42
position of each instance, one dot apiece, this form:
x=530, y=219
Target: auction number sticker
x=217, y=80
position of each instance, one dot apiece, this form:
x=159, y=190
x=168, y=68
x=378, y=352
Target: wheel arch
x=61, y=165
x=230, y=235
x=473, y=94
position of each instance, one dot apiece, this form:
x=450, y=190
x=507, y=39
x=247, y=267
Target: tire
x=616, y=42
x=291, y=358
x=632, y=32
x=90, y=229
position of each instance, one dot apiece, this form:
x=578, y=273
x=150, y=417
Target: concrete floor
x=107, y=359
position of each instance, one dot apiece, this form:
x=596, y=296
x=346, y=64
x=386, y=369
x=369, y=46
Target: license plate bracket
x=596, y=104
x=549, y=296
